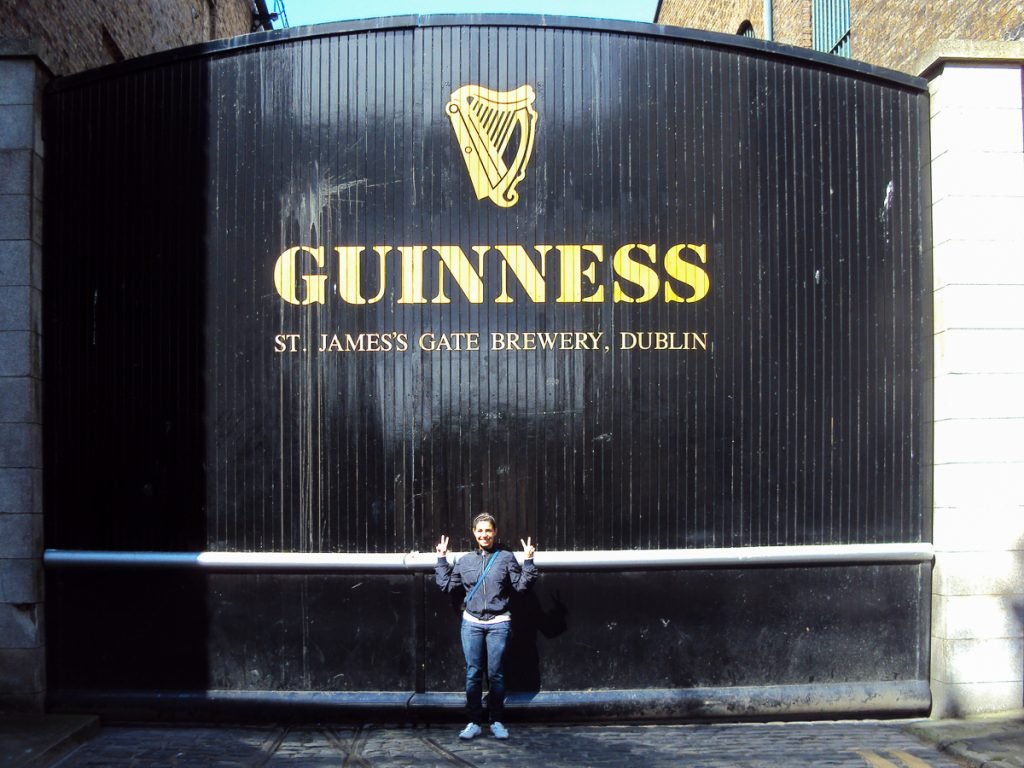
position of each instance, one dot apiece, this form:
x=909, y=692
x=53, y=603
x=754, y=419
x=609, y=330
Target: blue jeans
x=485, y=644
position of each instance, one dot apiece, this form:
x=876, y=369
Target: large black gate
x=657, y=298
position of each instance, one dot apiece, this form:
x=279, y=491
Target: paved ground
x=853, y=744
x=72, y=741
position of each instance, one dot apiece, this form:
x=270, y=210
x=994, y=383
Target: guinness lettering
x=639, y=275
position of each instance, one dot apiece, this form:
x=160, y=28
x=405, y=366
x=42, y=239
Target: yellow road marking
x=877, y=761
x=874, y=760
x=909, y=760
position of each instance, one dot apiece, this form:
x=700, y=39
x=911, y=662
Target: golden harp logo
x=485, y=124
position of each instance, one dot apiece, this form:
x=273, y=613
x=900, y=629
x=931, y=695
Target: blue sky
x=302, y=12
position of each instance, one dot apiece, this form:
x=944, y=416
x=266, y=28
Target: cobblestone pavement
x=853, y=744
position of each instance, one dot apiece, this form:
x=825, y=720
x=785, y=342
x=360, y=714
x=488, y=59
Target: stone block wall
x=977, y=170
x=22, y=636
x=70, y=36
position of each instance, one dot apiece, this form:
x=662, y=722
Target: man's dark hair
x=484, y=517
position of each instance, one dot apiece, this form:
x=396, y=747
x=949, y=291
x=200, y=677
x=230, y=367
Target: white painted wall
x=978, y=236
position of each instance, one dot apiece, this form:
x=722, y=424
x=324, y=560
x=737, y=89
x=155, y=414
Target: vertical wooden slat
x=802, y=423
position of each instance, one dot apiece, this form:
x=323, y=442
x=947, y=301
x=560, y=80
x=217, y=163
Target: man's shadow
x=530, y=621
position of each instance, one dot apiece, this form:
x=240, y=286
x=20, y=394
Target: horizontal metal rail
x=902, y=698
x=623, y=560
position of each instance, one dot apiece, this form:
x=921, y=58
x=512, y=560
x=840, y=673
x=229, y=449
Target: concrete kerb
x=982, y=741
x=37, y=741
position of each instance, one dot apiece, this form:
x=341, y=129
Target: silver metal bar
x=726, y=557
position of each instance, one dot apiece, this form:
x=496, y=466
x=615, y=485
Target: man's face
x=484, y=534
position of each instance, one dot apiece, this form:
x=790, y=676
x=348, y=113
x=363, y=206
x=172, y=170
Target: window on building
x=830, y=23
x=746, y=30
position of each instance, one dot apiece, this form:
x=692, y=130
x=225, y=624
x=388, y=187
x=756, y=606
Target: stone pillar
x=22, y=641
x=977, y=165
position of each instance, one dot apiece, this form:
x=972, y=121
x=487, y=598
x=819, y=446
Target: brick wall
x=894, y=35
x=74, y=35
x=713, y=15
x=791, y=18
x=793, y=22
x=882, y=32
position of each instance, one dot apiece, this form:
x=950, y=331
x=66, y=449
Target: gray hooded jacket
x=503, y=576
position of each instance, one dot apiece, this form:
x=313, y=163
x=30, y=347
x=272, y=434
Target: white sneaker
x=499, y=730
x=472, y=730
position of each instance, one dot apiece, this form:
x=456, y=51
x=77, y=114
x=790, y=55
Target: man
x=488, y=576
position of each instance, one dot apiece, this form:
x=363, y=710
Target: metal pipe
x=880, y=698
x=726, y=557
x=262, y=18
x=769, y=17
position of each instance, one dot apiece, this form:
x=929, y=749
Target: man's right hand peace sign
x=442, y=547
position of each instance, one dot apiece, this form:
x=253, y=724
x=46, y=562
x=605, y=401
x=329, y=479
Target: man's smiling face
x=484, y=534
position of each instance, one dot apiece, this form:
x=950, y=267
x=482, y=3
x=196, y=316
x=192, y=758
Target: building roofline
x=952, y=50
x=25, y=48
